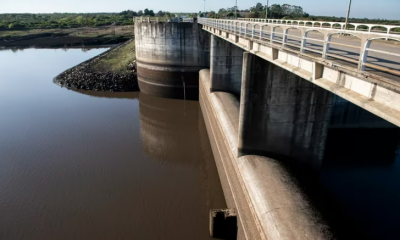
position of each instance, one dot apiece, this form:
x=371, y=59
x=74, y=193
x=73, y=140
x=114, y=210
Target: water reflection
x=82, y=165
x=167, y=128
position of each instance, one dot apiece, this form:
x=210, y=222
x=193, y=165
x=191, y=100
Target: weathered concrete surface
x=226, y=66
x=169, y=57
x=348, y=115
x=281, y=115
x=269, y=202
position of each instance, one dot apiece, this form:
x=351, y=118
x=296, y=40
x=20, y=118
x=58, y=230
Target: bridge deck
x=361, y=67
x=370, y=51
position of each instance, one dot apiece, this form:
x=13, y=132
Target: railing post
x=252, y=32
x=304, y=42
x=388, y=32
x=272, y=35
x=364, y=55
x=327, y=44
x=284, y=37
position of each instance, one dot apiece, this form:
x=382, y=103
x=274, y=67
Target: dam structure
x=169, y=57
x=268, y=91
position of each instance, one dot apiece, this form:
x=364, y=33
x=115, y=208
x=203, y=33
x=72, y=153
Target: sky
x=385, y=9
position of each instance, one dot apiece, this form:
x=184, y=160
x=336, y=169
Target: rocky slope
x=84, y=76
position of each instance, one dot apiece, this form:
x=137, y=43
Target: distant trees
x=148, y=12
x=129, y=13
x=286, y=11
x=165, y=14
x=70, y=20
x=211, y=14
x=160, y=13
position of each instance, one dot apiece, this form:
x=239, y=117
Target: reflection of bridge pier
x=165, y=127
x=173, y=132
x=173, y=135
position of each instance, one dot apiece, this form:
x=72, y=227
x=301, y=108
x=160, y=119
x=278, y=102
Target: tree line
x=286, y=11
x=147, y=13
x=259, y=10
x=72, y=20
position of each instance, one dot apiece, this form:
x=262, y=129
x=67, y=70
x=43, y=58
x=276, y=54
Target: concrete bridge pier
x=226, y=66
x=281, y=115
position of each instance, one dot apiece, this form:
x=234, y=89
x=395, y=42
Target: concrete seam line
x=165, y=85
x=224, y=165
x=240, y=178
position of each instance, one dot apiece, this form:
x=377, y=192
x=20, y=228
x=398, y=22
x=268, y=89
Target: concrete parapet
x=268, y=200
x=281, y=115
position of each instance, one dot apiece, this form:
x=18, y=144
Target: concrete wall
x=169, y=54
x=281, y=115
x=348, y=115
x=226, y=66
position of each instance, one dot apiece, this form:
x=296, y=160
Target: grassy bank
x=117, y=61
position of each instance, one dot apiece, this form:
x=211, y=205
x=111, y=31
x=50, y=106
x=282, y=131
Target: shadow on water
x=359, y=181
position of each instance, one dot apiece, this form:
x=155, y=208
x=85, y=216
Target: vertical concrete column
x=226, y=66
x=281, y=115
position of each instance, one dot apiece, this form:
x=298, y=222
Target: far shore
x=85, y=37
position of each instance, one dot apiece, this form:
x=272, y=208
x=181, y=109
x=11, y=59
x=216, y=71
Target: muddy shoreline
x=84, y=77
x=62, y=42
x=65, y=38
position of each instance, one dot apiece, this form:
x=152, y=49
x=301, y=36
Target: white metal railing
x=320, y=43
x=161, y=19
x=367, y=27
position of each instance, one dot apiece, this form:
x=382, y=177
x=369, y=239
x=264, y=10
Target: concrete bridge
x=266, y=91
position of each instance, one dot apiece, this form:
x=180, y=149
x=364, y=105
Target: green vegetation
x=61, y=20
x=118, y=60
x=72, y=20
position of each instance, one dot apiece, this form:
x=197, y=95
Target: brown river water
x=90, y=165
x=114, y=166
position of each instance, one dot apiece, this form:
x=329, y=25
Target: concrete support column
x=281, y=115
x=226, y=66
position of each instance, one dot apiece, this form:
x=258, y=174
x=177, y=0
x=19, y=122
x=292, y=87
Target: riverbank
x=66, y=38
x=113, y=70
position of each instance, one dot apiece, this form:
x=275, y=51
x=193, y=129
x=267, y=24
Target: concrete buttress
x=281, y=115
x=226, y=66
